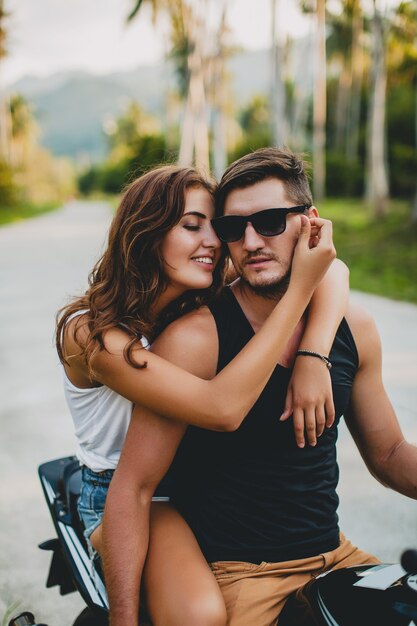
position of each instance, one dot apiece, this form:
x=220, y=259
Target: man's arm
x=150, y=446
x=371, y=418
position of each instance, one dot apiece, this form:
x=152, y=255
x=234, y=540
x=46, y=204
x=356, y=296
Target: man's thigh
x=256, y=594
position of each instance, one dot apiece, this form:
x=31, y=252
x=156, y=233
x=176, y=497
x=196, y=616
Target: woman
x=163, y=259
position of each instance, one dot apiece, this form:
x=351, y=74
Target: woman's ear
x=312, y=212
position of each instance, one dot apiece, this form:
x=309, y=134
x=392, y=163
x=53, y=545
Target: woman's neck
x=165, y=299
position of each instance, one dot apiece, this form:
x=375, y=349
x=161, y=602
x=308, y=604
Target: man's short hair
x=265, y=163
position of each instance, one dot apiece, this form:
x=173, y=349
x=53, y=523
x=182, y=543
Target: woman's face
x=191, y=249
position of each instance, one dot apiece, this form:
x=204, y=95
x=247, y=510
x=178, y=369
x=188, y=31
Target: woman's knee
x=204, y=611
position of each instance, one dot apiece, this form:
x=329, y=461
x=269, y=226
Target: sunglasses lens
x=229, y=228
x=270, y=223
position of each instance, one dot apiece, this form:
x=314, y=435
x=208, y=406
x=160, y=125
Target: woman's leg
x=95, y=539
x=180, y=588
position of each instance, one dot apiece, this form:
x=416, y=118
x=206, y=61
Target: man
x=264, y=510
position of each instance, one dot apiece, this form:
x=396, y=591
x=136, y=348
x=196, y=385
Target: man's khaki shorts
x=255, y=594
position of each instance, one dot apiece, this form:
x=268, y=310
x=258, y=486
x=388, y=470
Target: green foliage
x=250, y=142
x=401, y=140
x=381, y=253
x=150, y=150
x=111, y=176
x=255, y=123
x=135, y=146
x=254, y=117
x=8, y=191
x=88, y=181
x=24, y=210
x=343, y=177
x=403, y=170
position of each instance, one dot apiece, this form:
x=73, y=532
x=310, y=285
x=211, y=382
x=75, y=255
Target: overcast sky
x=46, y=36
x=52, y=35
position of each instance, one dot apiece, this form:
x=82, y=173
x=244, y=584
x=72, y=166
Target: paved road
x=42, y=263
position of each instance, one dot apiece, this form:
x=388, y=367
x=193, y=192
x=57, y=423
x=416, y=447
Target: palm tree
x=319, y=102
x=218, y=94
x=24, y=131
x=278, y=97
x=344, y=47
x=403, y=53
x=187, y=38
x=357, y=65
x=195, y=136
x=377, y=178
x=5, y=123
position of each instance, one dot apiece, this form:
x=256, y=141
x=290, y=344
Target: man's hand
x=309, y=400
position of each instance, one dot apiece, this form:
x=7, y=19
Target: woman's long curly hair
x=129, y=278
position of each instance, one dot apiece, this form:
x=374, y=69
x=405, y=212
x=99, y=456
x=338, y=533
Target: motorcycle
x=24, y=619
x=366, y=595
x=71, y=567
x=383, y=595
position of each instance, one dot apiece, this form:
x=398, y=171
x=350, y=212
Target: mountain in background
x=72, y=107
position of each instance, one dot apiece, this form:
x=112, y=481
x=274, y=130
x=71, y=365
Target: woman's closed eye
x=193, y=227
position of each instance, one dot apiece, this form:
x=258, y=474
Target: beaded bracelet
x=317, y=355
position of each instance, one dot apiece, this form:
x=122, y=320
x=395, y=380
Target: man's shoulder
x=364, y=330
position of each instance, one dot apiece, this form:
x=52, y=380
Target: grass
x=381, y=253
x=24, y=211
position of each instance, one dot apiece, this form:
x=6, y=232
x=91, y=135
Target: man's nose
x=251, y=239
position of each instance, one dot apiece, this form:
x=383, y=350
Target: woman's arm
x=223, y=402
x=309, y=397
x=150, y=446
x=327, y=308
x=149, y=449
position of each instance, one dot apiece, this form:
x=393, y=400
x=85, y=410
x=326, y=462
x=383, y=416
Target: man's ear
x=312, y=212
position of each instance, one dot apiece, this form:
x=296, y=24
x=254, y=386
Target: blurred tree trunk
x=219, y=96
x=188, y=35
x=377, y=178
x=319, y=102
x=342, y=105
x=194, y=135
x=414, y=209
x=194, y=145
x=278, y=97
x=23, y=133
x=353, y=123
x=5, y=119
x=299, y=112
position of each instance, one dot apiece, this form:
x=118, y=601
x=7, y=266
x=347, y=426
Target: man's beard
x=273, y=289
x=270, y=291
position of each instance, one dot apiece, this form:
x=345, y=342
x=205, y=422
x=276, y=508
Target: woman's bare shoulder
x=75, y=334
x=195, y=330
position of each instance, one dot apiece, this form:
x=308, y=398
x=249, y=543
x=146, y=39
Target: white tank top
x=101, y=418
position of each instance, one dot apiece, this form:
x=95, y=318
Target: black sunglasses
x=268, y=223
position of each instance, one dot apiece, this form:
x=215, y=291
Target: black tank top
x=253, y=495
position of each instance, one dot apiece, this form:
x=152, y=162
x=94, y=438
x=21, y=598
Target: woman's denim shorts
x=94, y=488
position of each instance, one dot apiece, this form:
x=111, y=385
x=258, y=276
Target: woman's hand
x=309, y=400
x=313, y=253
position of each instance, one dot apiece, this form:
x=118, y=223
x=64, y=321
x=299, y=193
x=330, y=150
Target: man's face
x=263, y=263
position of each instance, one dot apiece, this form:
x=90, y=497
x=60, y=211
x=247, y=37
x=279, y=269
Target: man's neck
x=257, y=308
